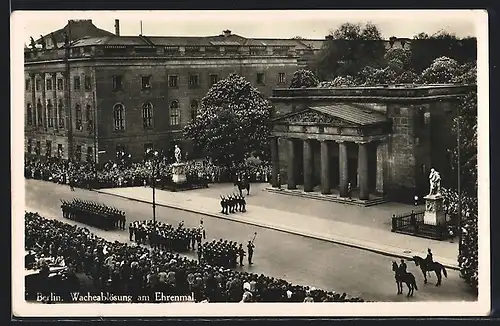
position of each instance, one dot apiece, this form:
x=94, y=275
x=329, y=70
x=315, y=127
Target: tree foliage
x=441, y=71
x=398, y=54
x=468, y=255
x=425, y=48
x=303, y=78
x=231, y=123
x=348, y=49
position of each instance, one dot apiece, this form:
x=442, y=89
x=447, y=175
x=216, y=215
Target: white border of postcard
x=23, y=309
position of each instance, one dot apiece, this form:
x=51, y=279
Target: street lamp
x=153, y=155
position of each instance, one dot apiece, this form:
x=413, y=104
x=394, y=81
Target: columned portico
x=308, y=165
x=343, y=169
x=292, y=169
x=363, y=170
x=316, y=138
x=325, y=167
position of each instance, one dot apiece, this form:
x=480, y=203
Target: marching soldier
x=250, y=248
x=243, y=204
x=222, y=204
x=241, y=254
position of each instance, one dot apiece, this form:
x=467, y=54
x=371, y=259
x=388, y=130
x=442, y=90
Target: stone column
x=308, y=165
x=33, y=100
x=54, y=104
x=275, y=161
x=291, y=175
x=44, y=102
x=363, y=170
x=325, y=167
x=343, y=172
x=382, y=156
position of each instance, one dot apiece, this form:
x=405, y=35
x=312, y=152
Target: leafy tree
x=348, y=49
x=425, y=48
x=441, y=71
x=340, y=81
x=401, y=55
x=303, y=78
x=231, y=123
x=466, y=74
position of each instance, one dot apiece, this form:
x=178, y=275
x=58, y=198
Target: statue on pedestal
x=177, y=153
x=435, y=183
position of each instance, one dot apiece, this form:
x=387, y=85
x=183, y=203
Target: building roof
x=84, y=32
x=76, y=29
x=352, y=113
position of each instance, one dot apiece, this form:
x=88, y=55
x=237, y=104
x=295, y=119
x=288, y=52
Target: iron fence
x=413, y=223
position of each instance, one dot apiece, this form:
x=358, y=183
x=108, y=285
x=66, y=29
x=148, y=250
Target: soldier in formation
x=232, y=203
x=95, y=214
x=165, y=236
x=220, y=253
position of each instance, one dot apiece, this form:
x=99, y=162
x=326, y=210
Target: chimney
x=117, y=27
x=227, y=32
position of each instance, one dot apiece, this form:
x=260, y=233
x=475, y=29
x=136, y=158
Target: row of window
x=173, y=82
x=35, y=117
x=193, y=80
x=60, y=153
x=59, y=84
x=118, y=114
x=147, y=114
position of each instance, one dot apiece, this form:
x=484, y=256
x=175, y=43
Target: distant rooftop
x=85, y=33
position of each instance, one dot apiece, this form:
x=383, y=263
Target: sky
x=259, y=24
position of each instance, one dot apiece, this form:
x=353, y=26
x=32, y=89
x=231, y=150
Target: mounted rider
x=402, y=268
x=429, y=261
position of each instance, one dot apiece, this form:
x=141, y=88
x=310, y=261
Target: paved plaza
x=298, y=259
x=360, y=227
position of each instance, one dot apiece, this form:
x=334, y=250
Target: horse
x=243, y=183
x=407, y=278
x=433, y=267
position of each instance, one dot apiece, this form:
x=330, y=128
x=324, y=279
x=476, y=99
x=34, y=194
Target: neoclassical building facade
x=380, y=142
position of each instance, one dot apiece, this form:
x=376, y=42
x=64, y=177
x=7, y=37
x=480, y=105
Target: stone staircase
x=374, y=200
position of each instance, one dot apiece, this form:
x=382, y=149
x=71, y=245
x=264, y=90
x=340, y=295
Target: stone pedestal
x=434, y=212
x=178, y=173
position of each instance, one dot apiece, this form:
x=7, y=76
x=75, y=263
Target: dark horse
x=243, y=182
x=407, y=278
x=435, y=267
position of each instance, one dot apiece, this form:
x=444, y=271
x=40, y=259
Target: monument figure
x=434, y=183
x=177, y=153
x=434, y=211
x=178, y=168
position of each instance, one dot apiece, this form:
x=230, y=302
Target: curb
x=282, y=229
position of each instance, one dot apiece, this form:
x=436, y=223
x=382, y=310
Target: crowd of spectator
x=121, y=268
x=112, y=174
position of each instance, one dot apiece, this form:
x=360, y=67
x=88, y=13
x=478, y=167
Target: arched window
x=174, y=113
x=119, y=116
x=194, y=108
x=78, y=117
x=60, y=109
x=39, y=112
x=147, y=115
x=50, y=109
x=29, y=114
x=89, y=117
